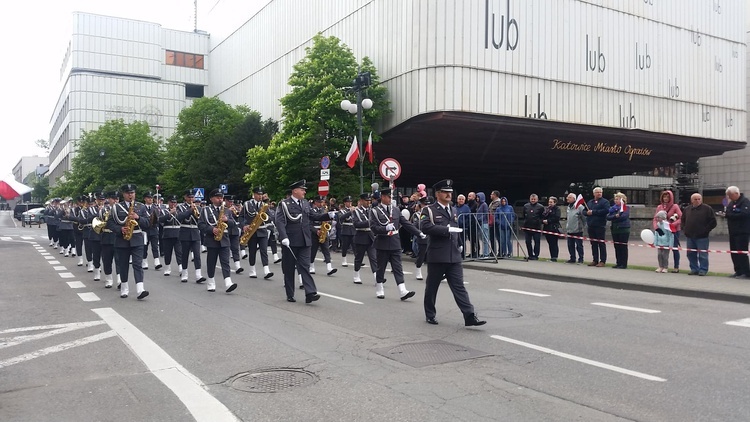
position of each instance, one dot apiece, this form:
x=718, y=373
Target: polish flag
x=624, y=206
x=368, y=148
x=579, y=201
x=10, y=189
x=353, y=154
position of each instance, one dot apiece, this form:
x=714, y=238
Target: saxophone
x=323, y=232
x=130, y=224
x=260, y=218
x=221, y=225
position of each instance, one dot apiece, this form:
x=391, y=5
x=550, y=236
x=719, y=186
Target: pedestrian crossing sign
x=199, y=194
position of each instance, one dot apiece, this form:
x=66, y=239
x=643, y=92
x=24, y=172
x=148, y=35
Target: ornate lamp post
x=359, y=84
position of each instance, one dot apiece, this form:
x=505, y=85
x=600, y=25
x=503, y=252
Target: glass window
x=190, y=60
x=170, y=57
x=198, y=61
x=180, y=59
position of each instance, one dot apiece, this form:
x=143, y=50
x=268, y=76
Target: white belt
x=363, y=230
x=347, y=224
x=171, y=227
x=189, y=226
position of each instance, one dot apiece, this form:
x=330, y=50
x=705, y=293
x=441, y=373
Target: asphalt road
x=561, y=354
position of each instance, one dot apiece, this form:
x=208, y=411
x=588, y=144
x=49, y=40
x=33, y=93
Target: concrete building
x=30, y=165
x=123, y=69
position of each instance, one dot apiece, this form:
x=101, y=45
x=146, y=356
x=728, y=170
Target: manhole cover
x=272, y=380
x=429, y=353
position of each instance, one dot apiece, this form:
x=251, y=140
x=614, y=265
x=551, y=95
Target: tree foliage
x=41, y=188
x=210, y=143
x=111, y=155
x=314, y=123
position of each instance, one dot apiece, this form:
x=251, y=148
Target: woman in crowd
x=551, y=225
x=674, y=217
x=619, y=215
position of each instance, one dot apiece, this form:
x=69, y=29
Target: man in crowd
x=738, y=222
x=698, y=220
x=598, y=208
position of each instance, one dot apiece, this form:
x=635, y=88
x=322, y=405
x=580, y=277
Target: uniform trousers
x=421, y=254
x=323, y=247
x=66, y=237
x=153, y=241
x=394, y=257
x=87, y=248
x=258, y=244
x=193, y=246
x=136, y=254
x=52, y=232
x=108, y=254
x=78, y=239
x=359, y=256
x=272, y=242
x=455, y=275
x=346, y=242
x=223, y=254
x=172, y=244
x=96, y=252
x=297, y=258
x=234, y=246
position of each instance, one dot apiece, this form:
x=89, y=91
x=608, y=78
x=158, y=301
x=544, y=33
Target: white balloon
x=647, y=236
x=405, y=213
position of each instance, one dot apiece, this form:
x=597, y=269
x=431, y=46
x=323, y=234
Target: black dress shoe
x=200, y=280
x=311, y=297
x=333, y=271
x=239, y=270
x=302, y=287
x=231, y=288
x=471, y=320
x=407, y=295
x=277, y=261
x=143, y=294
x=157, y=267
x=267, y=276
x=432, y=321
x=291, y=299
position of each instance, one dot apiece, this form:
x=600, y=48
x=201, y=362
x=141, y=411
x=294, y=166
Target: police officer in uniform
x=171, y=236
x=188, y=214
x=440, y=223
x=293, y=218
x=318, y=208
x=385, y=222
x=364, y=240
x=152, y=234
x=346, y=230
x=259, y=239
x=118, y=221
x=211, y=216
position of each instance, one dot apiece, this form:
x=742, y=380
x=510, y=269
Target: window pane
x=170, y=57
x=198, y=61
x=190, y=60
x=180, y=59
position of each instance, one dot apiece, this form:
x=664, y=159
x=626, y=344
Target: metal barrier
x=483, y=241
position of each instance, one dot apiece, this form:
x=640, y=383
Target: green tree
x=314, y=124
x=210, y=143
x=41, y=189
x=111, y=155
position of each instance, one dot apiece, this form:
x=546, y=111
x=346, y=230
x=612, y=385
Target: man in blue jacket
x=598, y=208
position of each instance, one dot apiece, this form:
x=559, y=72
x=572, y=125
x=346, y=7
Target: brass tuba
x=260, y=218
x=130, y=224
x=220, y=225
x=323, y=232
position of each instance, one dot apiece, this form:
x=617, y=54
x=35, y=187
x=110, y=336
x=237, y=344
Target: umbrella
x=10, y=189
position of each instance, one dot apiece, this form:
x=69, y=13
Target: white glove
x=455, y=230
x=422, y=236
x=332, y=214
x=460, y=249
x=285, y=242
x=390, y=227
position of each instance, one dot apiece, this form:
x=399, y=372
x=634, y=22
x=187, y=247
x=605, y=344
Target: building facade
x=123, y=69
x=28, y=165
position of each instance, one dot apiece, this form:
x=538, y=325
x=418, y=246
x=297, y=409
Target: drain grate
x=429, y=353
x=272, y=380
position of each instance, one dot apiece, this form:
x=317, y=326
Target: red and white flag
x=10, y=189
x=623, y=206
x=353, y=154
x=368, y=148
x=579, y=201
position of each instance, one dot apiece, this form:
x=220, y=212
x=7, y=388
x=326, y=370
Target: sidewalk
x=716, y=286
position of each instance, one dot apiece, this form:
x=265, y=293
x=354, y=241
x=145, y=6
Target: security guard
x=440, y=223
x=385, y=222
x=132, y=249
x=188, y=214
x=259, y=239
x=293, y=222
x=315, y=233
x=171, y=236
x=364, y=240
x=211, y=216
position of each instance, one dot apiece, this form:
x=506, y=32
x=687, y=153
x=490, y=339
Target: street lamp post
x=359, y=84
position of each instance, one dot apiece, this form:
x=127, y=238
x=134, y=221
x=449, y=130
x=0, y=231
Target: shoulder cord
x=209, y=211
x=377, y=217
x=114, y=214
x=289, y=214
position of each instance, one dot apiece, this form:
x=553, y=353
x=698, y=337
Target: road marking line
x=59, y=268
x=53, y=262
x=580, y=359
x=75, y=284
x=58, y=348
x=186, y=386
x=66, y=275
x=44, y=253
x=27, y=238
x=627, y=308
x=521, y=292
x=89, y=297
x=50, y=258
x=340, y=298
x=6, y=238
x=745, y=322
x=55, y=329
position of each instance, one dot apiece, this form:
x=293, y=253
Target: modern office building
x=28, y=165
x=123, y=69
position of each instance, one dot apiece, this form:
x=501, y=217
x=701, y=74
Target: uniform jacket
x=293, y=221
x=209, y=219
x=361, y=219
x=91, y=213
x=153, y=208
x=107, y=236
x=116, y=222
x=171, y=225
x=379, y=219
x=249, y=211
x=65, y=219
x=188, y=222
x=443, y=246
x=51, y=216
x=346, y=224
x=416, y=220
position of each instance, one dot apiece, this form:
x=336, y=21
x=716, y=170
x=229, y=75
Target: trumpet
x=196, y=213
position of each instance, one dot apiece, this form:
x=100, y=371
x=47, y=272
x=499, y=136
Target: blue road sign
x=223, y=189
x=199, y=194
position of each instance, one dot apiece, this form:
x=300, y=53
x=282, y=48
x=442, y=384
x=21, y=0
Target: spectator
x=532, y=220
x=505, y=217
x=738, y=222
x=574, y=228
x=598, y=208
x=551, y=222
x=493, y=226
x=674, y=215
x=473, y=234
x=482, y=214
x=662, y=240
x=463, y=212
x=619, y=215
x=698, y=220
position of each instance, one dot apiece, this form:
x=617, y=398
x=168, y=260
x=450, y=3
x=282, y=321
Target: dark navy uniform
x=190, y=237
x=235, y=207
x=385, y=222
x=346, y=230
x=152, y=233
x=440, y=223
x=171, y=236
x=316, y=244
x=259, y=240
x=210, y=217
x=364, y=240
x=95, y=239
x=421, y=242
x=50, y=219
x=129, y=249
x=293, y=218
x=108, y=242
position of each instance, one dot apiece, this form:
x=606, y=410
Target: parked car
x=33, y=216
x=22, y=208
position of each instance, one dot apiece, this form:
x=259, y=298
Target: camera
x=673, y=218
